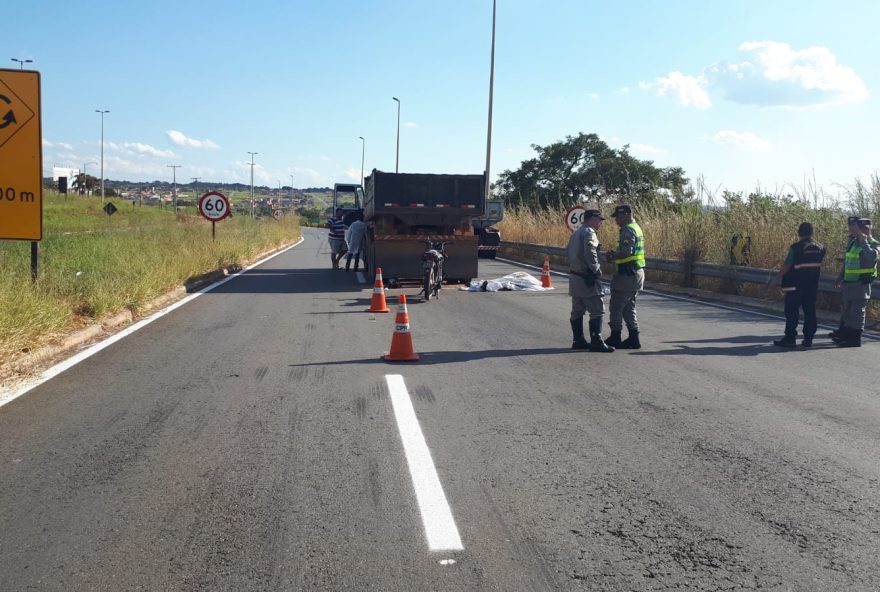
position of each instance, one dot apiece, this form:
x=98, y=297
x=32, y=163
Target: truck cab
x=349, y=197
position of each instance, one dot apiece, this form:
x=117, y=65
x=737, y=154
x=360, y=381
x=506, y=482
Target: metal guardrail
x=734, y=273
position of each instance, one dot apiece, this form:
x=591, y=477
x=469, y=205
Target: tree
x=584, y=168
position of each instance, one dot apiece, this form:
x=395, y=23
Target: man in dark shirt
x=799, y=278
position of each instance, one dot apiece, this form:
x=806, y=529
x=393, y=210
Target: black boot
x=836, y=333
x=577, y=331
x=788, y=342
x=851, y=338
x=631, y=342
x=840, y=335
x=596, y=343
x=614, y=340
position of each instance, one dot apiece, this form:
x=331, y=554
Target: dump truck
x=402, y=210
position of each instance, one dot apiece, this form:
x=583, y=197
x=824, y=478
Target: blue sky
x=743, y=93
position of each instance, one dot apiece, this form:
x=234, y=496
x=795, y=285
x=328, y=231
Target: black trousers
x=804, y=297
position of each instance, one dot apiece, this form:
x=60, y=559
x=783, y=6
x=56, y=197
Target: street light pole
x=21, y=63
x=174, y=167
x=397, y=159
x=252, y=182
x=102, y=151
x=363, y=150
x=489, y=131
x=291, y=190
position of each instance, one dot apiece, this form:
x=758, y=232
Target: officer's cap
x=865, y=222
x=594, y=213
x=622, y=209
x=852, y=220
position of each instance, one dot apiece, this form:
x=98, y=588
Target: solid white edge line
x=57, y=369
x=440, y=529
x=873, y=336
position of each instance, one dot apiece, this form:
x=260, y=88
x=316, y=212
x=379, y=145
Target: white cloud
x=774, y=73
x=646, y=150
x=688, y=91
x=594, y=96
x=625, y=90
x=180, y=139
x=407, y=124
x=63, y=145
x=746, y=141
x=140, y=148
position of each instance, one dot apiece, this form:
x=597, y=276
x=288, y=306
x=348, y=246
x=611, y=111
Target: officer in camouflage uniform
x=584, y=286
x=859, y=271
x=628, y=280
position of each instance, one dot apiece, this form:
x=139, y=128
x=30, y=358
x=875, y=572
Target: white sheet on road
x=517, y=281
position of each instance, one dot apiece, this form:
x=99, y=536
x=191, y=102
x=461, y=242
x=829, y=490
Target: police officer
x=859, y=271
x=799, y=278
x=628, y=280
x=584, y=286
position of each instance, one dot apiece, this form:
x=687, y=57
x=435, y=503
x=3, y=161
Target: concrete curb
x=108, y=325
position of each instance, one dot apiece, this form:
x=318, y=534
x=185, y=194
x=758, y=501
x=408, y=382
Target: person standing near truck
x=859, y=271
x=584, y=286
x=799, y=279
x=354, y=236
x=336, y=238
x=628, y=279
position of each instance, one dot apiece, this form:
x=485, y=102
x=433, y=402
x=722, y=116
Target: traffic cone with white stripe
x=545, y=274
x=401, y=341
x=378, y=303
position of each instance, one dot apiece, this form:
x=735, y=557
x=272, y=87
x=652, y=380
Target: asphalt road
x=249, y=440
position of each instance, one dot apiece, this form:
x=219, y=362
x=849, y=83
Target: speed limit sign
x=278, y=214
x=574, y=217
x=214, y=206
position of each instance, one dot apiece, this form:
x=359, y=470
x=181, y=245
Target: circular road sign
x=574, y=217
x=214, y=206
x=278, y=214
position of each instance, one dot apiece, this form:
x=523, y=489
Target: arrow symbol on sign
x=8, y=119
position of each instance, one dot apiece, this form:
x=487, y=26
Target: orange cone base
x=413, y=357
x=375, y=309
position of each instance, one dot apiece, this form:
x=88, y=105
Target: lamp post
x=174, y=167
x=291, y=190
x=489, y=130
x=21, y=63
x=102, y=150
x=252, y=182
x=83, y=190
x=363, y=150
x=397, y=158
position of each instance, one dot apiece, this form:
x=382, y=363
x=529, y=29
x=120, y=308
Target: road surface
x=254, y=440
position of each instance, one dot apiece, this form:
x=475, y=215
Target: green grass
x=92, y=264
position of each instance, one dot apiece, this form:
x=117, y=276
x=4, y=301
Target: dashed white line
x=440, y=529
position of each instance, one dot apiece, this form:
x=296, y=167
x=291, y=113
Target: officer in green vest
x=859, y=271
x=628, y=280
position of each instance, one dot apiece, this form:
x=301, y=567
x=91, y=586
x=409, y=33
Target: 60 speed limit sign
x=214, y=206
x=574, y=217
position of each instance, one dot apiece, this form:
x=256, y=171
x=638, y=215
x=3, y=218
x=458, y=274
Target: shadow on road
x=755, y=349
x=452, y=357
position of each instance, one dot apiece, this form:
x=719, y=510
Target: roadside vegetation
x=682, y=219
x=92, y=264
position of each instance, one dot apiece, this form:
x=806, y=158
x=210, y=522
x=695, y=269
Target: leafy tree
x=584, y=168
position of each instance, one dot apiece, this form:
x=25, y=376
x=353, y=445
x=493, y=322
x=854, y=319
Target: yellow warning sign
x=21, y=156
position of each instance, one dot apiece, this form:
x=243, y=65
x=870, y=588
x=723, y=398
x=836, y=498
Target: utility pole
x=489, y=132
x=397, y=157
x=174, y=167
x=196, y=186
x=252, y=182
x=102, y=151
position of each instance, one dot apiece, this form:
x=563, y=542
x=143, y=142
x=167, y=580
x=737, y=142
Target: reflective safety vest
x=638, y=253
x=853, y=270
x=806, y=266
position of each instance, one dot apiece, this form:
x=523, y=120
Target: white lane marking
x=440, y=528
x=777, y=317
x=361, y=278
x=57, y=369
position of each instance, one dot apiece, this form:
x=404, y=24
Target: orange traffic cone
x=378, y=303
x=545, y=274
x=401, y=341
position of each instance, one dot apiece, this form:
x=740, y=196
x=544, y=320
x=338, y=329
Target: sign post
x=574, y=217
x=21, y=159
x=214, y=206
